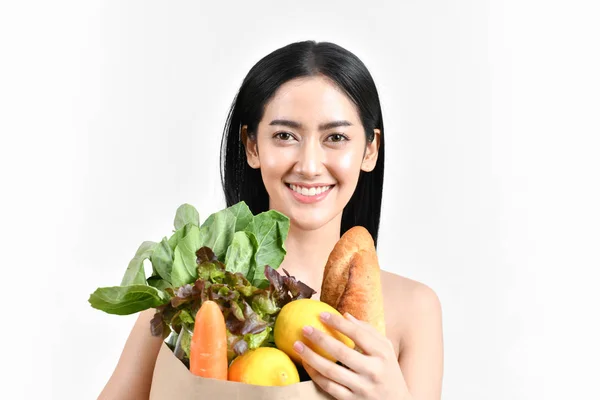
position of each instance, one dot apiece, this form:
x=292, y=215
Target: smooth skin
x=311, y=134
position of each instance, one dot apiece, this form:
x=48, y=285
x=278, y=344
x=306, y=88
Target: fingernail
x=325, y=316
x=298, y=347
x=307, y=330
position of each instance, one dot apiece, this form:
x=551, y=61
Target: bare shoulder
x=408, y=295
x=407, y=303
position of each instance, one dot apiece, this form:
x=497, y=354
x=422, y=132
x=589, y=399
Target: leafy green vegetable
x=270, y=229
x=135, y=275
x=256, y=340
x=184, y=262
x=182, y=317
x=286, y=288
x=186, y=318
x=222, y=225
x=242, y=215
x=176, y=237
x=211, y=271
x=158, y=283
x=124, y=300
x=184, y=341
x=186, y=214
x=162, y=260
x=240, y=253
x=188, y=269
x=265, y=304
x=219, y=229
x=239, y=211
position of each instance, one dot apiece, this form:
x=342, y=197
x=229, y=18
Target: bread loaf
x=352, y=280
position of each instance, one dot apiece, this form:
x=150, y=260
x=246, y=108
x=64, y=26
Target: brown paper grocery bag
x=172, y=380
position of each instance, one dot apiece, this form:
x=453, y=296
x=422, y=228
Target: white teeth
x=313, y=191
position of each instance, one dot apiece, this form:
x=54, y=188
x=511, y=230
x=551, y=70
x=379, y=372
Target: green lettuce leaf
x=159, y=283
x=256, y=340
x=221, y=226
x=135, y=275
x=186, y=214
x=184, y=261
x=184, y=341
x=270, y=229
x=180, y=318
x=162, y=260
x=211, y=271
x=177, y=236
x=124, y=300
x=265, y=304
x=218, y=232
x=186, y=318
x=240, y=253
x=242, y=215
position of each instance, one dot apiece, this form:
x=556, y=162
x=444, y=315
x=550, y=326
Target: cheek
x=271, y=160
x=274, y=162
x=346, y=165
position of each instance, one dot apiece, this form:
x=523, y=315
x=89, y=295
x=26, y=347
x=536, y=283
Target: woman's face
x=310, y=147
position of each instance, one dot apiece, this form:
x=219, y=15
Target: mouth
x=309, y=193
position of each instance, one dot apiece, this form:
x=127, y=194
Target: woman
x=305, y=137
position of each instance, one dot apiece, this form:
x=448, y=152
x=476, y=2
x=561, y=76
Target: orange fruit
x=264, y=366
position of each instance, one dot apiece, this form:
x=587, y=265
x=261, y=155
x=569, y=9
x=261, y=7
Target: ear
x=371, y=153
x=251, y=148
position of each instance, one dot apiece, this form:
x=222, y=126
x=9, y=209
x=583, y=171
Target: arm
x=132, y=377
x=421, y=357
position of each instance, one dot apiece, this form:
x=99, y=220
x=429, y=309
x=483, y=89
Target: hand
x=372, y=374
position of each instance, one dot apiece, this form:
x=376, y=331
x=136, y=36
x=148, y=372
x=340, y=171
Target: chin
x=310, y=221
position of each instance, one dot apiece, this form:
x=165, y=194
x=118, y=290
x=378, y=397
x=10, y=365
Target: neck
x=308, y=251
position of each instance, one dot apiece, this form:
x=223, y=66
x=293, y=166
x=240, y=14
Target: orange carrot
x=208, y=350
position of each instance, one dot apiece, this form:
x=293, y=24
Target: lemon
x=297, y=314
x=264, y=366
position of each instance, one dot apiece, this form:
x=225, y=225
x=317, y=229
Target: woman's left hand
x=374, y=374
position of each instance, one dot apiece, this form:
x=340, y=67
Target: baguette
x=352, y=280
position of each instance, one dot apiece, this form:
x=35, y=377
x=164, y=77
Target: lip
x=309, y=199
x=309, y=185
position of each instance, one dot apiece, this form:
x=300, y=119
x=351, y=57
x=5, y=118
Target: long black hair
x=296, y=60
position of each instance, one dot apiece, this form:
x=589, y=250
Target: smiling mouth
x=309, y=191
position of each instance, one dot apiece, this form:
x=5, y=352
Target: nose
x=310, y=160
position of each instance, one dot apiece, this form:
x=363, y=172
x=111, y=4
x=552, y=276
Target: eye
x=283, y=136
x=337, y=137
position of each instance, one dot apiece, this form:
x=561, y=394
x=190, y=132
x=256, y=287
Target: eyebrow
x=297, y=125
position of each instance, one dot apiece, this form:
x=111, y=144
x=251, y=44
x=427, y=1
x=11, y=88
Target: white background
x=111, y=115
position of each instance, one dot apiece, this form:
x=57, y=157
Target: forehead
x=312, y=100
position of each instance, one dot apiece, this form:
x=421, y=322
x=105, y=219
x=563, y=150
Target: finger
x=364, y=324
x=323, y=366
x=385, y=345
x=338, y=350
x=370, y=341
x=333, y=388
